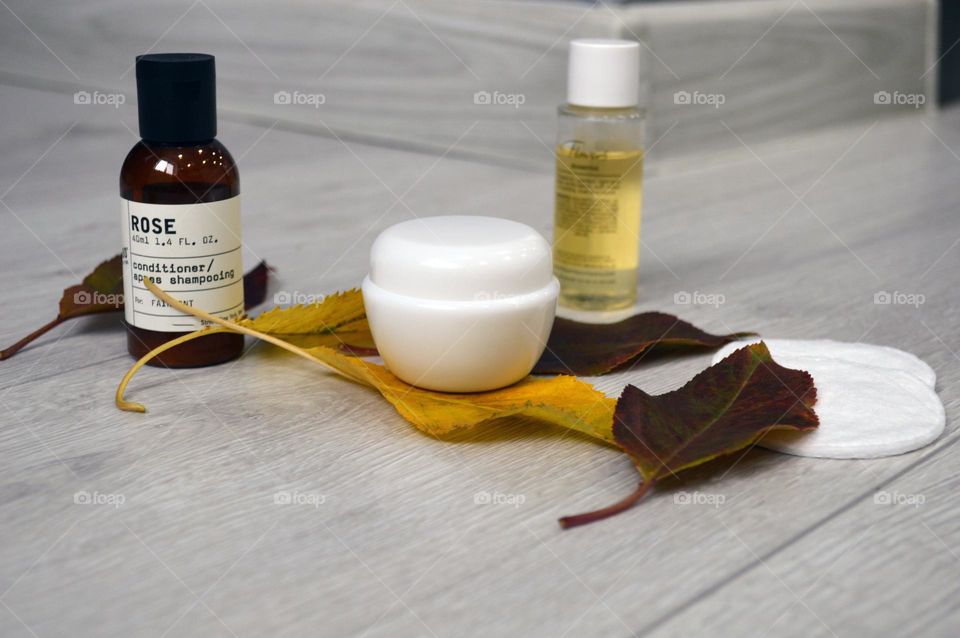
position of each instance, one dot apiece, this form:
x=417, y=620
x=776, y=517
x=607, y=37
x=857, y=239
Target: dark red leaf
x=592, y=349
x=255, y=285
x=725, y=408
x=102, y=291
x=358, y=351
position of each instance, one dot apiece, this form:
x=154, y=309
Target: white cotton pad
x=872, y=401
x=863, y=353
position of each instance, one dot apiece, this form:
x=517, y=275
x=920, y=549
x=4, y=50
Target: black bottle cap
x=177, y=97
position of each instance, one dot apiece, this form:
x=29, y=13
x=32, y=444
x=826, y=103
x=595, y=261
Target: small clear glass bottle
x=596, y=245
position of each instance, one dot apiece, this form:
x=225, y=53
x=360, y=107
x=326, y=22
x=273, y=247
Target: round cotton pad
x=872, y=401
x=864, y=353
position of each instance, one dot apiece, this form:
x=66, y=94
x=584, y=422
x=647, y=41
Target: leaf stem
x=236, y=327
x=624, y=504
x=132, y=406
x=15, y=348
x=229, y=324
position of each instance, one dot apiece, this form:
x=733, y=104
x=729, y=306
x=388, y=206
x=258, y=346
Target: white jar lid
x=461, y=258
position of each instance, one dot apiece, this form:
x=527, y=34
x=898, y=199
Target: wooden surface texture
x=793, y=233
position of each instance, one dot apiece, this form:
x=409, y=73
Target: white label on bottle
x=191, y=251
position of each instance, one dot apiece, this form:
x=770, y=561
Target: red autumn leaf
x=591, y=349
x=255, y=285
x=725, y=408
x=358, y=351
x=102, y=291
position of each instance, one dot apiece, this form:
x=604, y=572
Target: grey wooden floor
x=384, y=537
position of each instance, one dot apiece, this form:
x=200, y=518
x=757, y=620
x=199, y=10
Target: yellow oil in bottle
x=596, y=241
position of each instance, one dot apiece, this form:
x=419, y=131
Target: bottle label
x=192, y=251
x=597, y=222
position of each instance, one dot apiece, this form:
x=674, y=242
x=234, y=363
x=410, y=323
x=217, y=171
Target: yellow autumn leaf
x=339, y=319
x=562, y=400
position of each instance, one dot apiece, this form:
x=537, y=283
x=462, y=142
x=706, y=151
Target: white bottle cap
x=603, y=73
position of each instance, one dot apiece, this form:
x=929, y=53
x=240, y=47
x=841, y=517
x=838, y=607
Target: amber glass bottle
x=180, y=205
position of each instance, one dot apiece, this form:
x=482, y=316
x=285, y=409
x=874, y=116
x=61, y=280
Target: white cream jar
x=460, y=303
